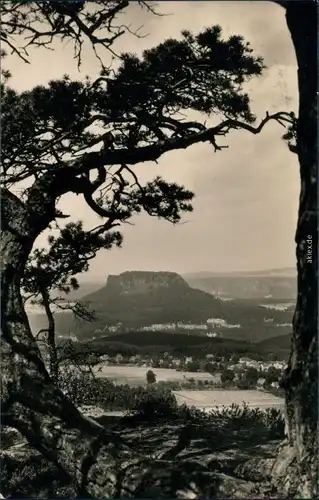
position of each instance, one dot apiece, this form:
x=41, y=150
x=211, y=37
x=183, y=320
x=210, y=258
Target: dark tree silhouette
x=54, y=269
x=25, y=24
x=251, y=376
x=296, y=469
x=150, y=377
x=210, y=368
x=235, y=359
x=227, y=376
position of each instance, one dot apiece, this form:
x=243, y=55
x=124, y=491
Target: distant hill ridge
x=280, y=272
x=143, y=298
x=196, y=279
x=274, y=283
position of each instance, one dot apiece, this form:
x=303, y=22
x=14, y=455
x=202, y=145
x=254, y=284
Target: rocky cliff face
x=141, y=282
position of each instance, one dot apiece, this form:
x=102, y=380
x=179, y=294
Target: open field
x=136, y=375
x=203, y=399
x=208, y=400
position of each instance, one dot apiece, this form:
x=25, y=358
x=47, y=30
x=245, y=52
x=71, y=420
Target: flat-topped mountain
x=139, y=298
x=140, y=282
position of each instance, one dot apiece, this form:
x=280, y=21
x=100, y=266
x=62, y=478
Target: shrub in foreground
x=270, y=421
x=85, y=389
x=154, y=403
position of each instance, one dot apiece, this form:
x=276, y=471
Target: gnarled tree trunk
x=296, y=469
x=30, y=402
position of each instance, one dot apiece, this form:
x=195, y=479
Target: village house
x=73, y=338
x=158, y=327
x=188, y=359
x=191, y=326
x=216, y=322
x=176, y=362
x=244, y=360
x=261, y=382
x=232, y=367
x=249, y=362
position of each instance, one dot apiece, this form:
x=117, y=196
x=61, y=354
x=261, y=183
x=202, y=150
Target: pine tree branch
x=154, y=151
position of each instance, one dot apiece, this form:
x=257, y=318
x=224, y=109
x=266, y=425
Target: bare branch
x=74, y=20
x=80, y=309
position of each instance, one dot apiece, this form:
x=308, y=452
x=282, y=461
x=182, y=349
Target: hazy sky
x=245, y=209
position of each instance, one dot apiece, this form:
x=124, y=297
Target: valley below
x=165, y=303
x=190, y=334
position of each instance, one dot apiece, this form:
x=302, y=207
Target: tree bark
x=30, y=402
x=53, y=357
x=296, y=470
